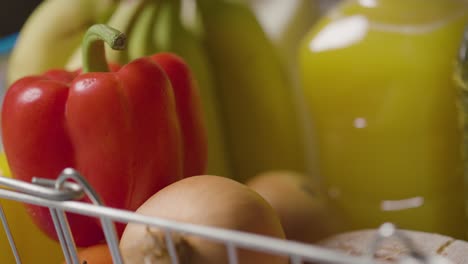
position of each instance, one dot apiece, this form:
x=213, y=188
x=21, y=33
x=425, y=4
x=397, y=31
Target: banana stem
x=94, y=57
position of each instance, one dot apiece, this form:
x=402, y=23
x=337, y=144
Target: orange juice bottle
x=377, y=79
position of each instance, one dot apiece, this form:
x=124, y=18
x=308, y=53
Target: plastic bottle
x=377, y=79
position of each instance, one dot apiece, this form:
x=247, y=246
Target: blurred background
x=379, y=116
x=13, y=16
x=10, y=24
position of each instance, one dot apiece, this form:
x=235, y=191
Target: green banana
x=190, y=17
x=172, y=36
x=51, y=34
x=286, y=23
x=123, y=19
x=140, y=41
x=255, y=93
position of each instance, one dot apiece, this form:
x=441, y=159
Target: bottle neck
x=404, y=12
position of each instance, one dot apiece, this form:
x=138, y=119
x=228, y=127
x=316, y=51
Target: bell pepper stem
x=94, y=56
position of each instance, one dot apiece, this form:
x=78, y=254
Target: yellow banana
x=171, y=35
x=122, y=19
x=51, y=34
x=255, y=93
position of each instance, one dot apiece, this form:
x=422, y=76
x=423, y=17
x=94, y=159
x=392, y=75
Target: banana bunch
x=248, y=100
x=254, y=91
x=52, y=32
x=286, y=23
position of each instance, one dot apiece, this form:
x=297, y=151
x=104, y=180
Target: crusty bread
x=391, y=250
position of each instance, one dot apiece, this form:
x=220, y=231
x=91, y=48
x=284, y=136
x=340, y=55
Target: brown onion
x=300, y=204
x=204, y=200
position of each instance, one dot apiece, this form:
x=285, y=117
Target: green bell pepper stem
x=94, y=55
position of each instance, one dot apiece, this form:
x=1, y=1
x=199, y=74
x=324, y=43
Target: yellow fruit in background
x=33, y=246
x=4, y=168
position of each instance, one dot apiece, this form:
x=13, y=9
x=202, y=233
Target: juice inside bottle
x=377, y=78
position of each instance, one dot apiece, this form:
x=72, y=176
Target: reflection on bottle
x=344, y=31
x=360, y=122
x=403, y=204
x=368, y=3
x=340, y=34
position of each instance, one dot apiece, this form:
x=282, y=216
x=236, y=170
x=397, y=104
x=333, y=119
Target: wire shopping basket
x=61, y=196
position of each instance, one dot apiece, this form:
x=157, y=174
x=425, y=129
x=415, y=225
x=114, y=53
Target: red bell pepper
x=129, y=131
x=188, y=110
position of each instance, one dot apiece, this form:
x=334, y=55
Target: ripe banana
x=51, y=34
x=122, y=19
x=254, y=91
x=171, y=35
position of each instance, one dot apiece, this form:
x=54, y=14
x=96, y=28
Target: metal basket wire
x=61, y=196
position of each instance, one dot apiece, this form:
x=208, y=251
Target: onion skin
x=300, y=204
x=204, y=200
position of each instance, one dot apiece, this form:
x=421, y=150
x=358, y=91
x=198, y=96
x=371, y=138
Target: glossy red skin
x=119, y=129
x=189, y=111
x=61, y=75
